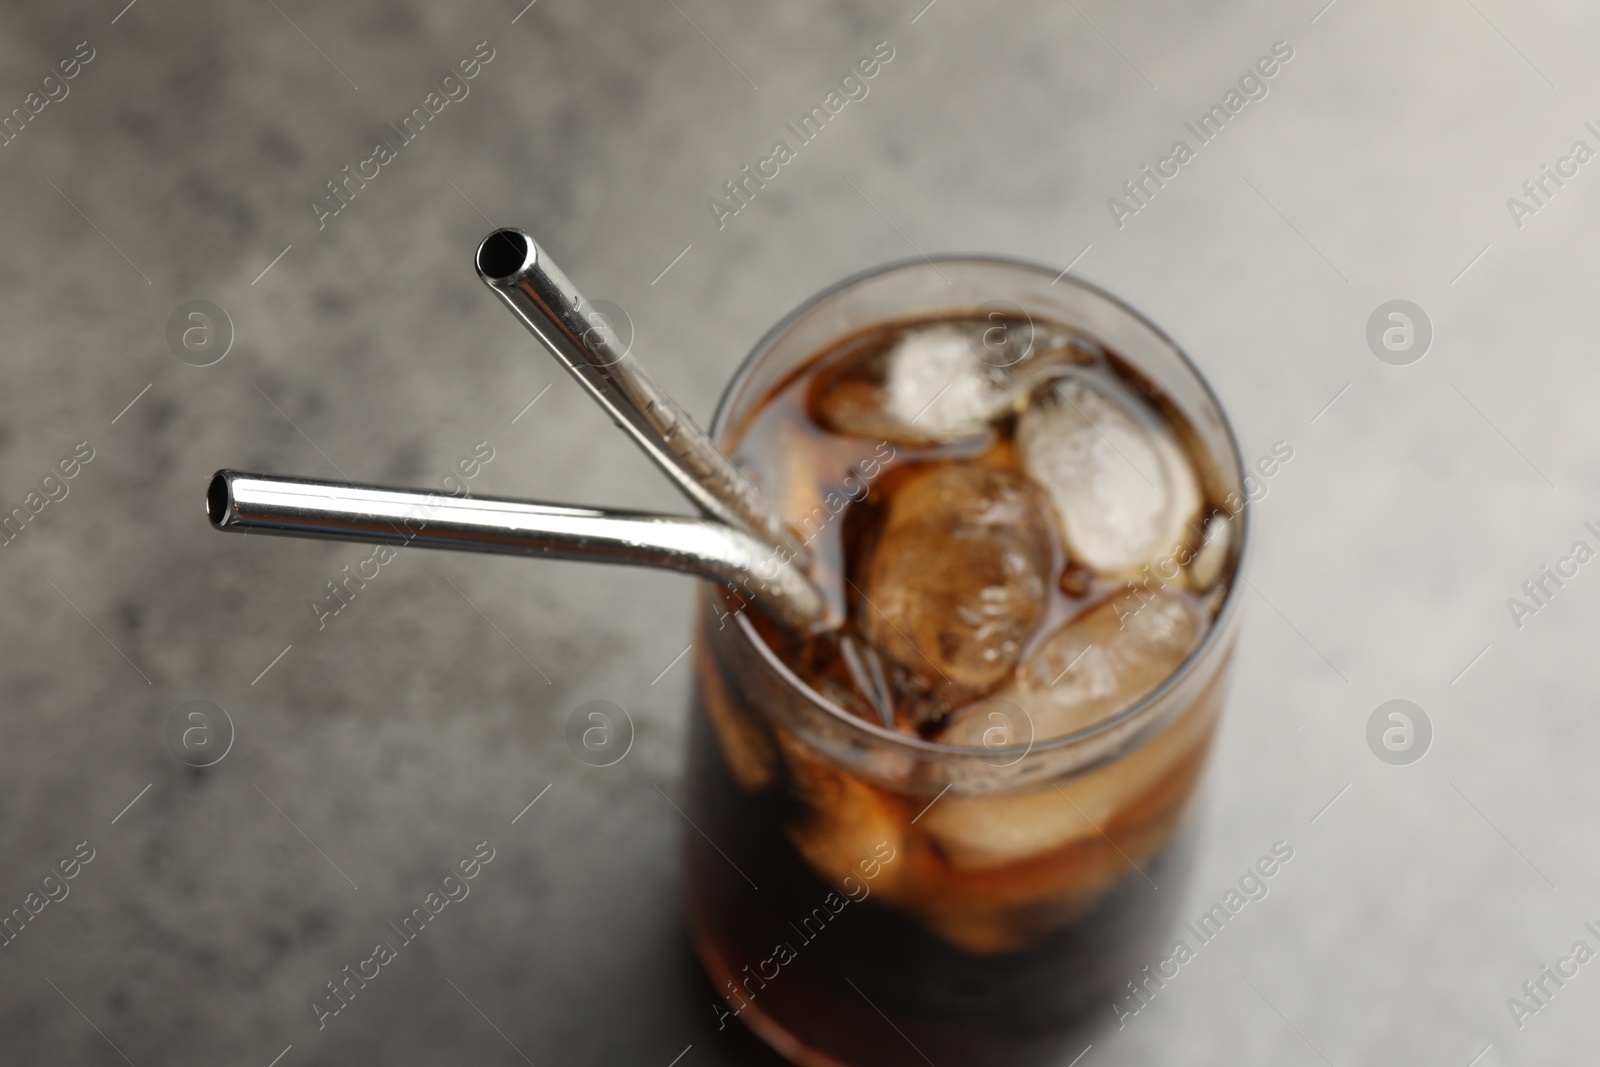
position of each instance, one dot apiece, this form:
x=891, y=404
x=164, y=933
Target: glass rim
x=884, y=737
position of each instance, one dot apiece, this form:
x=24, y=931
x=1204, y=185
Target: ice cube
x=840, y=821
x=745, y=746
x=979, y=832
x=1213, y=553
x=1097, y=665
x=1107, y=659
x=1017, y=866
x=937, y=382
x=956, y=582
x=985, y=915
x=1120, y=482
x=943, y=382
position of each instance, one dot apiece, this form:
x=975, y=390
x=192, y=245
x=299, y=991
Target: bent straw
x=240, y=502
x=544, y=300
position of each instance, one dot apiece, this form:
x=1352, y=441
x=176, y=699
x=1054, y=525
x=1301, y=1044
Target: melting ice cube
x=957, y=580
x=945, y=381
x=1121, y=484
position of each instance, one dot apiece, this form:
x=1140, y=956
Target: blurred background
x=182, y=161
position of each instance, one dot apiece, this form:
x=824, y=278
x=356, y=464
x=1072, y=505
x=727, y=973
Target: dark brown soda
x=853, y=971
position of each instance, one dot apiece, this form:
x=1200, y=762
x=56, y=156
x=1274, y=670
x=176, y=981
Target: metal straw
x=298, y=507
x=550, y=306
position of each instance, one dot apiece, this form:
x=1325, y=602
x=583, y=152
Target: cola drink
x=952, y=826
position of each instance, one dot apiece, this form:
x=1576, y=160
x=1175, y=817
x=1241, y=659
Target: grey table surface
x=183, y=163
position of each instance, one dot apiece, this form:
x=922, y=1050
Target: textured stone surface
x=432, y=710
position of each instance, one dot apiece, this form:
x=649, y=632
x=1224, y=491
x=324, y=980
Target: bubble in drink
x=1122, y=486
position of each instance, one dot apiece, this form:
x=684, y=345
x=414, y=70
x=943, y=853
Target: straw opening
x=504, y=254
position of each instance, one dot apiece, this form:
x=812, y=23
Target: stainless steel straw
x=298, y=507
x=522, y=275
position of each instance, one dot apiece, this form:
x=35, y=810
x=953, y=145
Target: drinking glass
x=829, y=916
